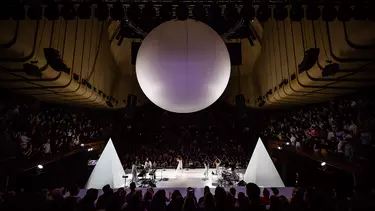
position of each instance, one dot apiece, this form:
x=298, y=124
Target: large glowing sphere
x=183, y=66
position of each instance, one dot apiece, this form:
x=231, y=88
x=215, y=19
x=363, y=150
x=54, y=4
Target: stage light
x=183, y=66
x=35, y=12
x=40, y=166
x=288, y=143
x=279, y=148
x=182, y=12
x=52, y=12
x=68, y=12
x=117, y=11
x=323, y=164
x=84, y=11
x=82, y=145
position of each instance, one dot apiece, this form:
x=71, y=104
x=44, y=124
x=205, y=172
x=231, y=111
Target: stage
x=170, y=178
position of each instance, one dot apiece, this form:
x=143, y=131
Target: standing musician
x=134, y=173
x=234, y=176
x=147, y=165
x=217, y=163
x=179, y=166
x=206, y=167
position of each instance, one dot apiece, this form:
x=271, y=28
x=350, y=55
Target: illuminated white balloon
x=183, y=66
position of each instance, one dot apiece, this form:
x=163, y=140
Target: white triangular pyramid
x=261, y=169
x=108, y=170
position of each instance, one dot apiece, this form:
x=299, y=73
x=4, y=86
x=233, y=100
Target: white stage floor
x=189, y=178
x=182, y=179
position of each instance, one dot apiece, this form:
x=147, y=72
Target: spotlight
x=329, y=13
x=68, y=12
x=52, y=12
x=117, y=11
x=102, y=12
x=279, y=148
x=89, y=149
x=84, y=11
x=35, y=12
x=40, y=166
x=323, y=164
x=288, y=143
x=82, y=145
x=182, y=12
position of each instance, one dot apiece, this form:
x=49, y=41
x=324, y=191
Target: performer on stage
x=148, y=165
x=217, y=163
x=206, y=167
x=179, y=166
x=234, y=176
x=134, y=173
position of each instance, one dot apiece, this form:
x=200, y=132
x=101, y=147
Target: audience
x=37, y=131
x=342, y=127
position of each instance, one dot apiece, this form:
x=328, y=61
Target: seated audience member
x=159, y=201
x=134, y=202
x=71, y=202
x=176, y=201
x=209, y=202
x=242, y=202
x=232, y=191
x=132, y=187
x=88, y=201
x=266, y=196
x=190, y=204
x=120, y=198
x=253, y=192
x=107, y=200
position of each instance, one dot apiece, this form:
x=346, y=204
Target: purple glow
x=183, y=66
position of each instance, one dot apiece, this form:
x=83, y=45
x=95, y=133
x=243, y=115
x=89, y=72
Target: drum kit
x=229, y=177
